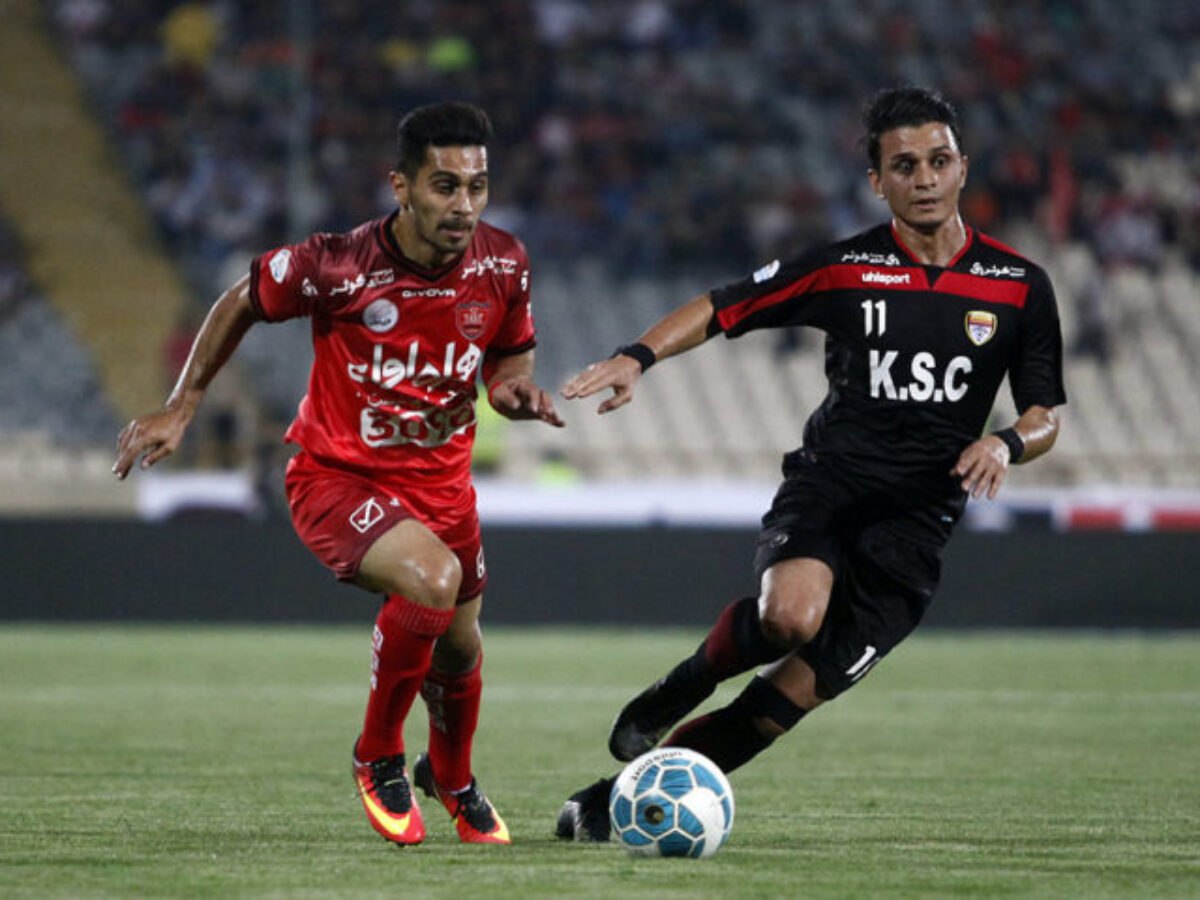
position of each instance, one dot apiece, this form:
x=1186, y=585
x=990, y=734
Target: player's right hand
x=153, y=437
x=620, y=373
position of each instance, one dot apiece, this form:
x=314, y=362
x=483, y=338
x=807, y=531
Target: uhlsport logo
x=981, y=326
x=886, y=278
x=366, y=516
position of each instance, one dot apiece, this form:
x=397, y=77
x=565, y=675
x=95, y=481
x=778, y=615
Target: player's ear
x=963, y=181
x=400, y=189
x=876, y=183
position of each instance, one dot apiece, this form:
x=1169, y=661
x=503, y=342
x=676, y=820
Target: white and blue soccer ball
x=671, y=802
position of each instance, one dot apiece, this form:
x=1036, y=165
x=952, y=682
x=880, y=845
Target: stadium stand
x=649, y=149
x=54, y=416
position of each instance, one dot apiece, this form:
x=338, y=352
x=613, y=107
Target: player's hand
x=620, y=373
x=152, y=437
x=983, y=467
x=520, y=398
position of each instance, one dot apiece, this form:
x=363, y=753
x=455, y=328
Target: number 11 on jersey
x=874, y=316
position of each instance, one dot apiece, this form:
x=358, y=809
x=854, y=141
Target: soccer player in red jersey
x=407, y=311
x=924, y=317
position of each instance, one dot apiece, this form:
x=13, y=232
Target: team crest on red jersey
x=471, y=318
x=981, y=326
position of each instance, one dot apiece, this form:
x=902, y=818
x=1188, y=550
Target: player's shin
x=733, y=735
x=402, y=649
x=735, y=644
x=453, y=705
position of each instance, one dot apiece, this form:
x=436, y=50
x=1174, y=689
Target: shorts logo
x=779, y=540
x=480, y=568
x=381, y=315
x=864, y=664
x=366, y=516
x=981, y=326
x=279, y=265
x=471, y=318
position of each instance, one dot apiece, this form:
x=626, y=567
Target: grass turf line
x=214, y=762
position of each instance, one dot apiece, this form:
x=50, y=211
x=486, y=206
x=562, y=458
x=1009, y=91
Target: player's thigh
x=411, y=560
x=879, y=598
x=794, y=599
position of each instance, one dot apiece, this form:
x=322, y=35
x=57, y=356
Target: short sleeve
x=1036, y=375
x=517, y=332
x=283, y=280
x=777, y=295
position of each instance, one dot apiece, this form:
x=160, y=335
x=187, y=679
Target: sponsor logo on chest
x=997, y=271
x=886, y=278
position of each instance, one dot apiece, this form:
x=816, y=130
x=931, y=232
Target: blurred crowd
x=654, y=135
x=49, y=384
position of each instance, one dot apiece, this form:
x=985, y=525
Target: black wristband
x=1016, y=446
x=644, y=355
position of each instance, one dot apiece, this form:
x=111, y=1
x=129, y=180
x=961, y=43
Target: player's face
x=921, y=175
x=441, y=205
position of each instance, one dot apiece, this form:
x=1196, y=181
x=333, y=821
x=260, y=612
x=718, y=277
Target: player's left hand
x=520, y=398
x=983, y=467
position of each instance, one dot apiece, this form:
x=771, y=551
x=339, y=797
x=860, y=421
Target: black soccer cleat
x=647, y=718
x=584, y=817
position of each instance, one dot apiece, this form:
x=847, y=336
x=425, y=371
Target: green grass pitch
x=214, y=762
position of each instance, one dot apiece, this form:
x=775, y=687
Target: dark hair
x=898, y=107
x=450, y=124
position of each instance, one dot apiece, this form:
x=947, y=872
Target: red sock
x=453, y=704
x=401, y=651
x=736, y=643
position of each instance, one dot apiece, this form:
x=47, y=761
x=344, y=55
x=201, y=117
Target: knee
x=436, y=581
x=790, y=624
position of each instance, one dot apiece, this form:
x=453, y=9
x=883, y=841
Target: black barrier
x=228, y=569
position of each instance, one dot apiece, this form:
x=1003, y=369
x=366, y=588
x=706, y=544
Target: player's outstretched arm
x=677, y=332
x=513, y=394
x=157, y=435
x=984, y=464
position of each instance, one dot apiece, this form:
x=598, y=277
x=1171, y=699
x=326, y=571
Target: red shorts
x=339, y=515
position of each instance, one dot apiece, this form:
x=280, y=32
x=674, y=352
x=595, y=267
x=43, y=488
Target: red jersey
x=396, y=348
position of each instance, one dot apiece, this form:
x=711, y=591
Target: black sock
x=726, y=736
x=730, y=736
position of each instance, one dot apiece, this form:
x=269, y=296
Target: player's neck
x=934, y=247
x=417, y=251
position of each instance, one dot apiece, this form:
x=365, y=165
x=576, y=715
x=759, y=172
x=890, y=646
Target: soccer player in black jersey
x=923, y=318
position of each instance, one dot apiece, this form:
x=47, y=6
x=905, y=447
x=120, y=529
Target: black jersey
x=914, y=354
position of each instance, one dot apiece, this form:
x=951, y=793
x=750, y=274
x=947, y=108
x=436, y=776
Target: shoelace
x=387, y=774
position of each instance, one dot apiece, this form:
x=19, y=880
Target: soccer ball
x=671, y=802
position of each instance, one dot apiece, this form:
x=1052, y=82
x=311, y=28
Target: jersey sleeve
x=777, y=295
x=283, y=280
x=517, y=330
x=1036, y=374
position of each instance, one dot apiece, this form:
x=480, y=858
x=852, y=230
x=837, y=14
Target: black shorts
x=884, y=576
